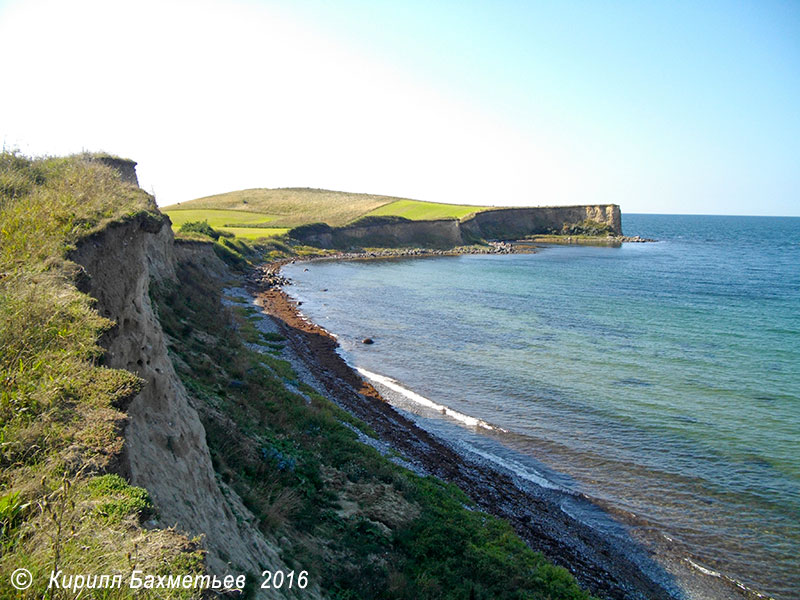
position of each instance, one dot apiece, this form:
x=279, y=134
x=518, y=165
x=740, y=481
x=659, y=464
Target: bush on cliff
x=586, y=227
x=201, y=227
x=373, y=220
x=304, y=232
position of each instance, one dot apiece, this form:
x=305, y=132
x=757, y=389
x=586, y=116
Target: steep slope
x=491, y=224
x=62, y=413
x=165, y=450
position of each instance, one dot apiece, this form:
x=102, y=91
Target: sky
x=661, y=107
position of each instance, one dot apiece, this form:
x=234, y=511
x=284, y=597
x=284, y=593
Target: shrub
x=201, y=227
x=118, y=498
x=586, y=227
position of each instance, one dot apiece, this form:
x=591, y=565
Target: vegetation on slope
x=587, y=227
x=61, y=412
x=247, y=225
x=417, y=210
x=292, y=207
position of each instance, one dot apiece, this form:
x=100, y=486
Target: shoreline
x=610, y=567
x=599, y=564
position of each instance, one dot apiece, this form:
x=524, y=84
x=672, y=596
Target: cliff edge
x=165, y=447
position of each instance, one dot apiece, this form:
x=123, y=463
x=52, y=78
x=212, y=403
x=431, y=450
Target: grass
x=256, y=233
x=263, y=214
x=60, y=425
x=417, y=210
x=218, y=218
x=292, y=207
x=242, y=224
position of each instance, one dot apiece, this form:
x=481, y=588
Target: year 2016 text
x=278, y=579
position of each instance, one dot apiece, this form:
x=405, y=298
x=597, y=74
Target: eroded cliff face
x=165, y=443
x=498, y=224
x=441, y=233
x=125, y=167
x=510, y=223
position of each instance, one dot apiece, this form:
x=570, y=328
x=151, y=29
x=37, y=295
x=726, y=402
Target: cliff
x=165, y=448
x=124, y=166
x=513, y=223
x=494, y=224
x=382, y=231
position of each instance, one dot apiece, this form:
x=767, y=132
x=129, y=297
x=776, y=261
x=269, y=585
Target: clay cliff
x=496, y=224
x=165, y=442
x=511, y=223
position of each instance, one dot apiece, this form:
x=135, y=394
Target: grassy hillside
x=247, y=225
x=291, y=207
x=417, y=210
x=239, y=212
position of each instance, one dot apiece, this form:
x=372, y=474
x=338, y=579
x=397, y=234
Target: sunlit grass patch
x=256, y=233
x=240, y=223
x=217, y=217
x=417, y=210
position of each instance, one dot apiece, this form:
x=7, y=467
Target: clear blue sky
x=683, y=107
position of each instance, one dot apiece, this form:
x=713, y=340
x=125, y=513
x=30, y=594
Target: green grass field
x=218, y=218
x=417, y=210
x=238, y=222
x=255, y=233
x=290, y=207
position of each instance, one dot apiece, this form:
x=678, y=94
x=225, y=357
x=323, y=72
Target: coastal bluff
x=510, y=223
x=492, y=224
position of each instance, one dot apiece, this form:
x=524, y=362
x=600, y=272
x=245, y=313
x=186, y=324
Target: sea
x=659, y=380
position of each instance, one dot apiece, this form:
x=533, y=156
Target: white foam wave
x=736, y=582
x=702, y=569
x=423, y=401
x=516, y=468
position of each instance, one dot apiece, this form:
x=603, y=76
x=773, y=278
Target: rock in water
x=367, y=341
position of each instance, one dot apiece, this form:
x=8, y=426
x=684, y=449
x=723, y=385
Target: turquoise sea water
x=661, y=380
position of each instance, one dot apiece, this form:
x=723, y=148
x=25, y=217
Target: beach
x=611, y=566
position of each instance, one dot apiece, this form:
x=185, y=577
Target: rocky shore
x=490, y=248
x=634, y=238
x=583, y=240
x=607, y=567
x=268, y=275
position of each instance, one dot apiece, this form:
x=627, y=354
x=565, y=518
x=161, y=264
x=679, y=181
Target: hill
x=268, y=212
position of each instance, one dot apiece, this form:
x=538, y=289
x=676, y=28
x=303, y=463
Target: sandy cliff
x=165, y=443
